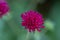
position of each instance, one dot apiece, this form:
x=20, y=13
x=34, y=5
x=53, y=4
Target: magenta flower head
x=3, y=7
x=32, y=20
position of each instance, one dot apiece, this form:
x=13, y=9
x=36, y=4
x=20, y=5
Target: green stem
x=27, y=36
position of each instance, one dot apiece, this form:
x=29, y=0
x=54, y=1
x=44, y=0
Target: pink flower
x=4, y=8
x=32, y=20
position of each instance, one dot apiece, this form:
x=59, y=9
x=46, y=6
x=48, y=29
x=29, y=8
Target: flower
x=4, y=8
x=32, y=20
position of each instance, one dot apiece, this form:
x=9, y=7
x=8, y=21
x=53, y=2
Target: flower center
x=31, y=22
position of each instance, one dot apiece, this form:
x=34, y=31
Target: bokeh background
x=10, y=24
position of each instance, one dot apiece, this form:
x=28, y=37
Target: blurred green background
x=10, y=24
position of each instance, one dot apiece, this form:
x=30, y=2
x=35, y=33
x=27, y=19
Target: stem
x=27, y=36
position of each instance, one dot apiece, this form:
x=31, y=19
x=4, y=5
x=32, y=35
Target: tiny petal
x=32, y=20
